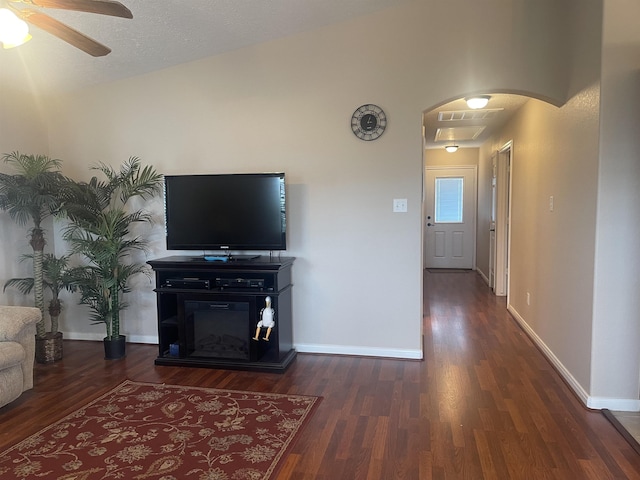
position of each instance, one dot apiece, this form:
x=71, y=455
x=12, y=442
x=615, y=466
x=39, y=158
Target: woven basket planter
x=49, y=348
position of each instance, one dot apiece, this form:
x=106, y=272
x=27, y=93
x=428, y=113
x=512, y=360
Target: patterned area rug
x=164, y=432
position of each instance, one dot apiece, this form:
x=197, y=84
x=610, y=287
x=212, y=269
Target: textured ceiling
x=164, y=33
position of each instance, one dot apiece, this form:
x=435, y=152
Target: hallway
x=501, y=407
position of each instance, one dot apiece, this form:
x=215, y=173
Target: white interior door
x=450, y=217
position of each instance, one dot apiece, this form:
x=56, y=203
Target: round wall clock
x=368, y=122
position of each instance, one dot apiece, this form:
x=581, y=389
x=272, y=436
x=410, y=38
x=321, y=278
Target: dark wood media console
x=208, y=312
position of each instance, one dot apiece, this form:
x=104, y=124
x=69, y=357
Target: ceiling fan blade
x=102, y=7
x=64, y=32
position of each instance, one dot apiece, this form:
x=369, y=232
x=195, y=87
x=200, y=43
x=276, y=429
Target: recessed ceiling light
x=479, y=101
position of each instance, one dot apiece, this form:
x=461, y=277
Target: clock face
x=368, y=122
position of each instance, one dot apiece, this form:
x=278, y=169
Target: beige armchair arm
x=13, y=321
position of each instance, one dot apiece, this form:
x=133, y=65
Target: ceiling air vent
x=459, y=115
x=458, y=133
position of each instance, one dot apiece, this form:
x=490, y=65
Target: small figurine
x=267, y=319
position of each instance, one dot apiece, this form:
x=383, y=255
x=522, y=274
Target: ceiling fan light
x=451, y=148
x=479, y=101
x=13, y=30
x=25, y=39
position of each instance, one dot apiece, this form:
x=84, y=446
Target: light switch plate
x=399, y=205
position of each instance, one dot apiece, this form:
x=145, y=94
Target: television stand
x=208, y=312
x=238, y=258
x=227, y=258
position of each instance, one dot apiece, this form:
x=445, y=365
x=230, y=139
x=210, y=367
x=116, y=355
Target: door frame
x=474, y=216
x=492, y=222
x=503, y=219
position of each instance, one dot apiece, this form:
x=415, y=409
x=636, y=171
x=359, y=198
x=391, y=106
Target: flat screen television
x=227, y=212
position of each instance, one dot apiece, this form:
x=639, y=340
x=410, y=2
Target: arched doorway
x=456, y=124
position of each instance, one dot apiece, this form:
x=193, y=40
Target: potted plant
x=100, y=229
x=31, y=195
x=56, y=277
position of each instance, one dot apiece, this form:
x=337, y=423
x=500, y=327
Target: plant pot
x=114, y=349
x=49, y=348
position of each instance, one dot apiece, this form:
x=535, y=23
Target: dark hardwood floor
x=484, y=404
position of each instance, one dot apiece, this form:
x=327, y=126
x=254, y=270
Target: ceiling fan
x=62, y=31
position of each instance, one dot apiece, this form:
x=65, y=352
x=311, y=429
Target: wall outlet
x=551, y=203
x=399, y=205
x=528, y=298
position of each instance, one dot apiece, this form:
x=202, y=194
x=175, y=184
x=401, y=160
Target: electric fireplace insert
x=218, y=329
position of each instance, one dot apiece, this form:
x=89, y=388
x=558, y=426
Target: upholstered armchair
x=17, y=350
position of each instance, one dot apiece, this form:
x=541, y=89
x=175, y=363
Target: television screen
x=225, y=212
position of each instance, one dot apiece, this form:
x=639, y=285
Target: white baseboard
x=360, y=351
x=97, y=337
x=484, y=277
x=596, y=403
x=302, y=348
x=614, y=404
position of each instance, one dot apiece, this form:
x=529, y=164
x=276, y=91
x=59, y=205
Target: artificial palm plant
x=31, y=195
x=100, y=229
x=56, y=277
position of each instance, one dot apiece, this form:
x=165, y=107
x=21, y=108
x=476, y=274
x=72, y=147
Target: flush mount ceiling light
x=451, y=148
x=13, y=30
x=478, y=101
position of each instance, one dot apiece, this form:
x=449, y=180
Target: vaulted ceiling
x=164, y=33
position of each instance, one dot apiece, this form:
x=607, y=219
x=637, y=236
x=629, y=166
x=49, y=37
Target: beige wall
x=555, y=153
x=285, y=105
x=439, y=157
x=483, y=225
x=22, y=129
x=616, y=334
